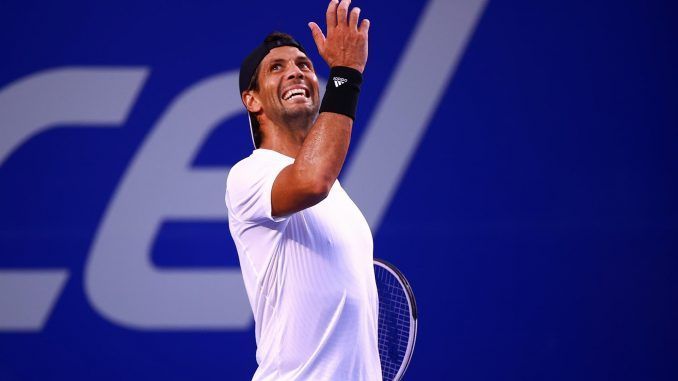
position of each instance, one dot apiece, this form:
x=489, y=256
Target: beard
x=300, y=117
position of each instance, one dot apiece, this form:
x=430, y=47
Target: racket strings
x=394, y=323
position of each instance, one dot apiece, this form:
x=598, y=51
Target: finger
x=331, y=15
x=318, y=35
x=364, y=26
x=353, y=18
x=342, y=11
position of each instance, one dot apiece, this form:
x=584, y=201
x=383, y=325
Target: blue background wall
x=537, y=219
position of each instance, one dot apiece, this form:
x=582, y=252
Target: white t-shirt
x=309, y=278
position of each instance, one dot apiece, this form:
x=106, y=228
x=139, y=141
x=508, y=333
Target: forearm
x=316, y=167
x=324, y=150
x=321, y=157
x=345, y=50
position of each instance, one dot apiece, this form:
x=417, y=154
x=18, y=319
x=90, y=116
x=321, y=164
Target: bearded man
x=305, y=249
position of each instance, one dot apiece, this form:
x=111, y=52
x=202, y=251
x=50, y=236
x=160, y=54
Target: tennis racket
x=397, y=320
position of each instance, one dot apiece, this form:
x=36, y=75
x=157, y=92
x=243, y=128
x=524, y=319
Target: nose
x=294, y=72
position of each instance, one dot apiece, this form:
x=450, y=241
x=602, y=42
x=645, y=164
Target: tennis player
x=305, y=249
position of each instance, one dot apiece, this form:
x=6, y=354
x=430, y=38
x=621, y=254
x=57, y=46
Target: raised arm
x=317, y=166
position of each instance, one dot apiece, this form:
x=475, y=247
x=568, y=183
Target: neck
x=286, y=138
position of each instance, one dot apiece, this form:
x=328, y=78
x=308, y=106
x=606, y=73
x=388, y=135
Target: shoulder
x=241, y=170
x=249, y=184
x=260, y=164
x=255, y=173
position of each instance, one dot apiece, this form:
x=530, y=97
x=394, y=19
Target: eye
x=304, y=65
x=276, y=67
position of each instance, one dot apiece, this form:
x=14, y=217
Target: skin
x=318, y=144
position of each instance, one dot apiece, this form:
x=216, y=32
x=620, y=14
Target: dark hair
x=272, y=39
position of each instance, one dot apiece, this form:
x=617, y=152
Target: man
x=305, y=249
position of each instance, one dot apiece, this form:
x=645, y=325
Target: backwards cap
x=249, y=67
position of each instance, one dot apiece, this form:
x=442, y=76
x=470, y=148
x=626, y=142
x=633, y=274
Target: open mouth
x=295, y=93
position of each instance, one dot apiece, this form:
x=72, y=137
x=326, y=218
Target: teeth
x=289, y=94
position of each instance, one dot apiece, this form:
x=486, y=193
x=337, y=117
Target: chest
x=337, y=224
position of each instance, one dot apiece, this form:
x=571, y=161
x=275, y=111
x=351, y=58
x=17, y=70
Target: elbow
x=319, y=189
x=313, y=186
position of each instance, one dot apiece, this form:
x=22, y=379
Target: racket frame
x=412, y=305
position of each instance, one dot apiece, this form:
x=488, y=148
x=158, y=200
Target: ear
x=251, y=101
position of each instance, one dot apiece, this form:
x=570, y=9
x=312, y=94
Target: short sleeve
x=248, y=190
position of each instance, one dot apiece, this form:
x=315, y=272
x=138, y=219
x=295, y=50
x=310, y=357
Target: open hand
x=346, y=42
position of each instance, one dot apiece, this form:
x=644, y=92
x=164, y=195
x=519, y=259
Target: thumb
x=318, y=35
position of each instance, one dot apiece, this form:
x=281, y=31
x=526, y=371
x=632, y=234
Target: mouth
x=295, y=93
